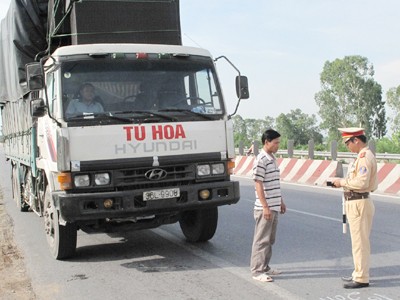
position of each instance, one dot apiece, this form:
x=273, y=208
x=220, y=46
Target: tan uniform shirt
x=362, y=174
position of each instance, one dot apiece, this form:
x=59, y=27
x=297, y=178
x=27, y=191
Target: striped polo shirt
x=266, y=170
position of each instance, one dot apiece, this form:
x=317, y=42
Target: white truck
x=156, y=149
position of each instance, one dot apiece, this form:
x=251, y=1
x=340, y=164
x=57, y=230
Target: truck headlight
x=218, y=169
x=102, y=179
x=82, y=180
x=203, y=170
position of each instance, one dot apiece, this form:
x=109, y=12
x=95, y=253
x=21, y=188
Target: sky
x=282, y=45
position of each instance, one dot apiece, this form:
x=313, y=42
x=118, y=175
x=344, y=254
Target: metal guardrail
x=328, y=155
x=311, y=153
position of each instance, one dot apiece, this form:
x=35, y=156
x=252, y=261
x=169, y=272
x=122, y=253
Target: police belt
x=350, y=195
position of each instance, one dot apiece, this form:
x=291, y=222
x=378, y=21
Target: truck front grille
x=134, y=178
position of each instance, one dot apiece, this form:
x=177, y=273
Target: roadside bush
x=386, y=145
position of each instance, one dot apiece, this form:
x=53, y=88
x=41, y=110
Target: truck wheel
x=199, y=225
x=17, y=189
x=61, y=239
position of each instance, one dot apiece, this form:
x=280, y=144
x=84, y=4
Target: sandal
x=263, y=278
x=273, y=272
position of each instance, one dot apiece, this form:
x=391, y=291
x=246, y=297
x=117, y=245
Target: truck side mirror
x=34, y=76
x=38, y=108
x=242, y=87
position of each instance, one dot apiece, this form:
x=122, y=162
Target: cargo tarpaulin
x=128, y=21
x=23, y=36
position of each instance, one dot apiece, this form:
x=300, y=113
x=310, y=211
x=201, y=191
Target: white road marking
x=304, y=213
x=314, y=215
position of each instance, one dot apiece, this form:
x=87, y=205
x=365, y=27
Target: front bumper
x=130, y=204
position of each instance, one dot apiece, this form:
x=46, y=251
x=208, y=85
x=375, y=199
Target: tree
x=350, y=97
x=249, y=130
x=256, y=127
x=374, y=110
x=393, y=101
x=239, y=131
x=299, y=127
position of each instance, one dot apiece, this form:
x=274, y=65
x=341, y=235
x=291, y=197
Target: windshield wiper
x=204, y=116
x=148, y=113
x=92, y=116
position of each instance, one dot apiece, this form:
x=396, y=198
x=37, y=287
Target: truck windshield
x=181, y=87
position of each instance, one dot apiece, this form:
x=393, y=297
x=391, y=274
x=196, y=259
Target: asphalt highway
x=311, y=250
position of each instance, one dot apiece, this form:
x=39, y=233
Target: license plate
x=161, y=194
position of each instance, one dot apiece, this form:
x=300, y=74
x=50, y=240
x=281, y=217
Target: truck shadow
x=148, y=252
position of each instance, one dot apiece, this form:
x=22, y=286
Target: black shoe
x=355, y=285
x=347, y=279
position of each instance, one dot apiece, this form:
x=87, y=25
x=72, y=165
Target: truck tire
x=61, y=239
x=199, y=225
x=17, y=189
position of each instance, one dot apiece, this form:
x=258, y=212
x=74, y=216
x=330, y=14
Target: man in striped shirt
x=268, y=204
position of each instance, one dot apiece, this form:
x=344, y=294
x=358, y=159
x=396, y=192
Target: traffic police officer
x=361, y=179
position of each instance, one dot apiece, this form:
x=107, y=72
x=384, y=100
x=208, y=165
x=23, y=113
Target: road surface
x=311, y=250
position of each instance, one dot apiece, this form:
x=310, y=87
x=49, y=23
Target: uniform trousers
x=264, y=238
x=359, y=215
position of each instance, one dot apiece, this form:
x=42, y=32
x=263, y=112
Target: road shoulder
x=14, y=282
